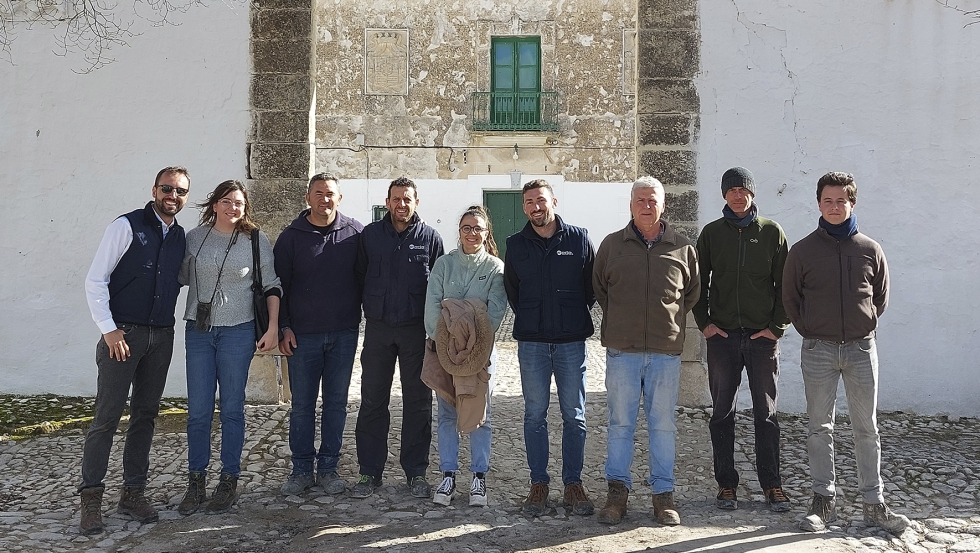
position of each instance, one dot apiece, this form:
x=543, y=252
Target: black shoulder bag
x=259, y=304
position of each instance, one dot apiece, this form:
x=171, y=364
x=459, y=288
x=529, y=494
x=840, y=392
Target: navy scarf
x=842, y=231
x=741, y=222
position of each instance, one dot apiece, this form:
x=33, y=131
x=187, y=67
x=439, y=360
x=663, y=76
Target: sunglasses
x=166, y=189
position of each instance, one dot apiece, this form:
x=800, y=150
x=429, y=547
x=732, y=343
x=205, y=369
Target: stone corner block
x=280, y=161
x=669, y=14
x=266, y=384
x=668, y=53
x=282, y=56
x=694, y=385
x=271, y=91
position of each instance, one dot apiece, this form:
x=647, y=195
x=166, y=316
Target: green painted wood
x=506, y=214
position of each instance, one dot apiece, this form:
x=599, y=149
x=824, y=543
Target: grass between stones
x=25, y=416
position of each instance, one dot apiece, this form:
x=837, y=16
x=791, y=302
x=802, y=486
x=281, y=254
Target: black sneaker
x=478, y=490
x=419, y=487
x=365, y=486
x=444, y=493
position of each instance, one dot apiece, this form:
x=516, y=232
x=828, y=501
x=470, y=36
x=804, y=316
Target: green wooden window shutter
x=515, y=82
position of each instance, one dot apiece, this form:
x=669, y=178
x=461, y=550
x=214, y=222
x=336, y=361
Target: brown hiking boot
x=878, y=514
x=664, y=509
x=133, y=503
x=196, y=494
x=577, y=501
x=777, y=500
x=536, y=503
x=224, y=495
x=615, y=508
x=91, y=522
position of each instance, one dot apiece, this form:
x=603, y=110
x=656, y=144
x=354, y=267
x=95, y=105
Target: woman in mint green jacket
x=472, y=271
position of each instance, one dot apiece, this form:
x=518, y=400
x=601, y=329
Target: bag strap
x=256, y=262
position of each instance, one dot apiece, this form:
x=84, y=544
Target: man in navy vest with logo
x=548, y=277
x=131, y=290
x=394, y=260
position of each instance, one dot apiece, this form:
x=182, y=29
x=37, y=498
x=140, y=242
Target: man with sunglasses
x=132, y=289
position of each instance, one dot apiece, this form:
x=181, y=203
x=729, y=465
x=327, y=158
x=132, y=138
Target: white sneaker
x=444, y=493
x=478, y=491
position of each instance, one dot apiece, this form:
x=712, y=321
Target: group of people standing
x=434, y=316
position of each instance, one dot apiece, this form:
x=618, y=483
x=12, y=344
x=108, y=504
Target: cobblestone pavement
x=930, y=467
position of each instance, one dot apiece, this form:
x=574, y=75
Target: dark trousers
x=726, y=357
x=146, y=371
x=383, y=345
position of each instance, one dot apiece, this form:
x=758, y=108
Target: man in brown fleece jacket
x=646, y=281
x=835, y=286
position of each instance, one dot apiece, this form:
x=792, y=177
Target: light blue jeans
x=824, y=364
x=656, y=378
x=217, y=360
x=448, y=435
x=539, y=361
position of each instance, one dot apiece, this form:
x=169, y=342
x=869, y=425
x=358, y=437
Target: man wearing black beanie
x=741, y=257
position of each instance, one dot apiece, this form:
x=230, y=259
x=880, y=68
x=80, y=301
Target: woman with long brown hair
x=220, y=335
x=471, y=272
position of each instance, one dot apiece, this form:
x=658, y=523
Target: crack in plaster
x=789, y=106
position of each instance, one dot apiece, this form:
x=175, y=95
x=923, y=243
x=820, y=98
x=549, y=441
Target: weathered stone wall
x=426, y=132
x=280, y=149
x=668, y=46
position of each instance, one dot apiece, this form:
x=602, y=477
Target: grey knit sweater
x=232, y=303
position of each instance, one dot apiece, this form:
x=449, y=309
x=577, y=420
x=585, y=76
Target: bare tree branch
x=972, y=14
x=88, y=28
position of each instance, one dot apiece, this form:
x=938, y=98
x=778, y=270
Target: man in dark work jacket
x=132, y=289
x=548, y=278
x=393, y=263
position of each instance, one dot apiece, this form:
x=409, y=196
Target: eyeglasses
x=166, y=189
x=226, y=203
x=468, y=229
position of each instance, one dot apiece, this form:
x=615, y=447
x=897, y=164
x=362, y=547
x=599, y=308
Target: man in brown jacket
x=646, y=281
x=835, y=286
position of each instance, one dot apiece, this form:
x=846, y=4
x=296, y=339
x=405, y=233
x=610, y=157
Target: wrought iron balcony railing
x=515, y=111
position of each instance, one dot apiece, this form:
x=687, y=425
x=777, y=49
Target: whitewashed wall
x=78, y=150
x=885, y=90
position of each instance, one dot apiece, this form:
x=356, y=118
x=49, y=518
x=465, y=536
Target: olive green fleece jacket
x=645, y=293
x=742, y=276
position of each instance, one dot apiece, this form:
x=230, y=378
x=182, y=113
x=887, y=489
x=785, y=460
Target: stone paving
x=930, y=467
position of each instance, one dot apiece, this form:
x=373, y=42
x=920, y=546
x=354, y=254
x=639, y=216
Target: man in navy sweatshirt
x=318, y=316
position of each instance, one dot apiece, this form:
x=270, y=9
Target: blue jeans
x=539, y=361
x=824, y=364
x=217, y=360
x=479, y=438
x=656, y=377
x=146, y=371
x=320, y=364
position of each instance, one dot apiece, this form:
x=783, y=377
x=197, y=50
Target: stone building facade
x=478, y=97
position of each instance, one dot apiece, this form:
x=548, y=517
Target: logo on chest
x=560, y=252
x=416, y=246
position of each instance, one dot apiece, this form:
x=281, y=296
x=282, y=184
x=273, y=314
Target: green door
x=506, y=214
